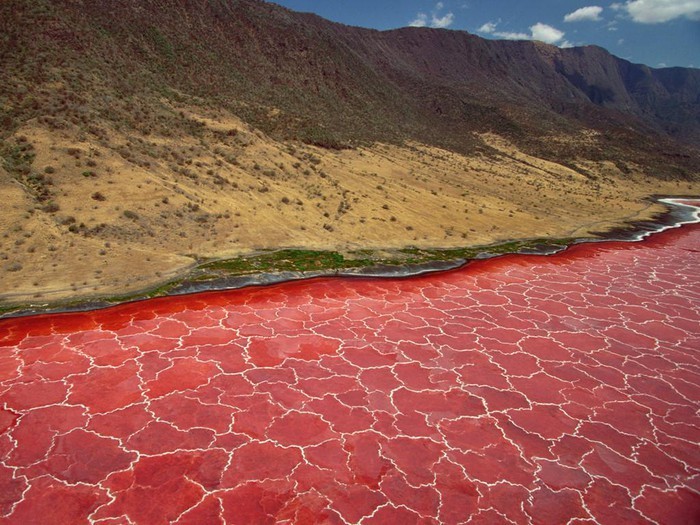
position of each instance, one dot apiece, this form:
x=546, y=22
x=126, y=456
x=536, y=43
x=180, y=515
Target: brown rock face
x=334, y=84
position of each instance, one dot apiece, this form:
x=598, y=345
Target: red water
x=525, y=389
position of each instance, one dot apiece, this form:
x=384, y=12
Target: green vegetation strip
x=283, y=261
x=295, y=260
x=290, y=260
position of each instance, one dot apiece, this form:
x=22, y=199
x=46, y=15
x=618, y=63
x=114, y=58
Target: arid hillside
x=137, y=141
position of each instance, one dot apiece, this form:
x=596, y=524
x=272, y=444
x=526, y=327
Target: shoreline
x=195, y=280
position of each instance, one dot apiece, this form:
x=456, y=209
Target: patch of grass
x=417, y=256
x=158, y=291
x=51, y=207
x=309, y=260
x=284, y=261
x=17, y=158
x=323, y=138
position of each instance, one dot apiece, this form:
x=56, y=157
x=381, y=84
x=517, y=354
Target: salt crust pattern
x=523, y=389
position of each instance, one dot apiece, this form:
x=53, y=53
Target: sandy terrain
x=125, y=213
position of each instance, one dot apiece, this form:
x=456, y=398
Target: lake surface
x=518, y=389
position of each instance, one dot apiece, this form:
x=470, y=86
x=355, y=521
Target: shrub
x=51, y=207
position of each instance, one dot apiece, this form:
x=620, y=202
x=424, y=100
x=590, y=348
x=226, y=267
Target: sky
x=658, y=33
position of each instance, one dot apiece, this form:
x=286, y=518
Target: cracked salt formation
x=524, y=389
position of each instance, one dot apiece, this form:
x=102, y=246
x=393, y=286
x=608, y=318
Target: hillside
x=167, y=133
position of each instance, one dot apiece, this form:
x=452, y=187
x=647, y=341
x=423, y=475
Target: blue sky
x=658, y=33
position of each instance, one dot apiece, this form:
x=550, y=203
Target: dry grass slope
x=98, y=216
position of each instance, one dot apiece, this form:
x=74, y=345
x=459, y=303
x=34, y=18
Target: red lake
x=522, y=389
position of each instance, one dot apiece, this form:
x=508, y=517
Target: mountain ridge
x=356, y=83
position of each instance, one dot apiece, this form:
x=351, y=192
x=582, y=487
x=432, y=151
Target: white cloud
x=545, y=33
x=512, y=36
x=488, y=28
x=434, y=20
x=659, y=11
x=421, y=20
x=588, y=13
x=539, y=31
x=444, y=21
